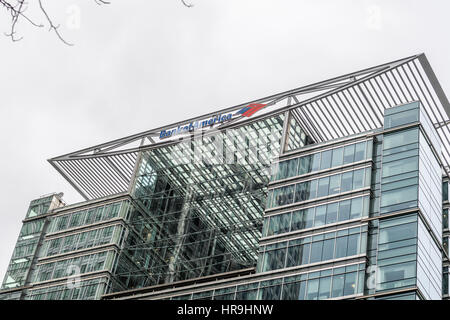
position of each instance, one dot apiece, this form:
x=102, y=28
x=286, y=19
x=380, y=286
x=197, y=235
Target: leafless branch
x=17, y=8
x=189, y=5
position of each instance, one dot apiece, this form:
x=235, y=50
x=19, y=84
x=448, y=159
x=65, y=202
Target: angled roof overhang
x=329, y=109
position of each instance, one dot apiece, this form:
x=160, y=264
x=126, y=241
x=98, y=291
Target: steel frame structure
x=330, y=109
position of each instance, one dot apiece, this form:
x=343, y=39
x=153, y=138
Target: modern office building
x=335, y=190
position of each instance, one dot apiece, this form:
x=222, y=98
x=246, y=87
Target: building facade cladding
x=80, y=248
x=346, y=219
x=286, y=205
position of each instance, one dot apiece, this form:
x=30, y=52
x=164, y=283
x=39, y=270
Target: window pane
x=400, y=138
x=313, y=288
x=358, y=179
x=335, y=184
x=301, y=294
x=347, y=181
x=293, y=256
x=291, y=291
x=312, y=191
x=305, y=250
x=326, y=160
x=344, y=210
x=322, y=189
x=324, y=288
x=360, y=151
x=401, y=118
x=394, y=197
x=315, y=162
x=349, y=154
x=350, y=284
x=353, y=244
x=399, y=232
x=328, y=250
x=282, y=170
x=357, y=207
x=337, y=157
x=304, y=165
x=341, y=247
x=292, y=167
x=400, y=166
x=316, y=251
x=338, y=285
x=332, y=210
x=320, y=216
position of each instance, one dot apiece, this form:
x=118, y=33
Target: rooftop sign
x=247, y=111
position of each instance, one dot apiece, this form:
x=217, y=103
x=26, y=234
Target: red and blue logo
x=250, y=110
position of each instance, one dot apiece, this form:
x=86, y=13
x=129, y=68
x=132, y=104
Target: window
x=305, y=164
x=335, y=184
x=360, y=151
x=332, y=212
x=316, y=251
x=347, y=181
x=397, y=196
x=322, y=189
x=315, y=162
x=356, y=208
x=291, y=290
x=445, y=219
x=328, y=249
x=358, y=179
x=397, y=275
x=353, y=245
x=292, y=167
x=313, y=288
x=350, y=284
x=344, y=210
x=398, y=232
x=320, y=216
x=445, y=191
x=337, y=157
x=400, y=166
x=400, y=118
x=326, y=160
x=293, y=256
x=324, y=287
x=341, y=247
x=338, y=285
x=274, y=259
x=401, y=138
x=349, y=154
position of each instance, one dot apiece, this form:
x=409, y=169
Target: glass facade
x=260, y=213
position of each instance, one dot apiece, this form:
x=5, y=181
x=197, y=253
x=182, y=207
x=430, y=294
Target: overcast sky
x=140, y=64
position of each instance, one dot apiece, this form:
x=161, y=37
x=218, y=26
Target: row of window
x=323, y=160
x=316, y=216
x=317, y=188
x=401, y=115
x=68, y=267
x=79, y=241
x=39, y=207
x=85, y=217
x=86, y=290
x=399, y=188
x=313, y=249
x=330, y=283
x=397, y=252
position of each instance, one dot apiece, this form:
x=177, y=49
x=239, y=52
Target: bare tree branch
x=189, y=5
x=17, y=8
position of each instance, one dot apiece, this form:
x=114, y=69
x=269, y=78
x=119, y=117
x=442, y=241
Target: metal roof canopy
x=326, y=110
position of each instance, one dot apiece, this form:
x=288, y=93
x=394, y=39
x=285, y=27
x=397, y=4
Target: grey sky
x=142, y=64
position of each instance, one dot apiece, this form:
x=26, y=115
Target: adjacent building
x=335, y=190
